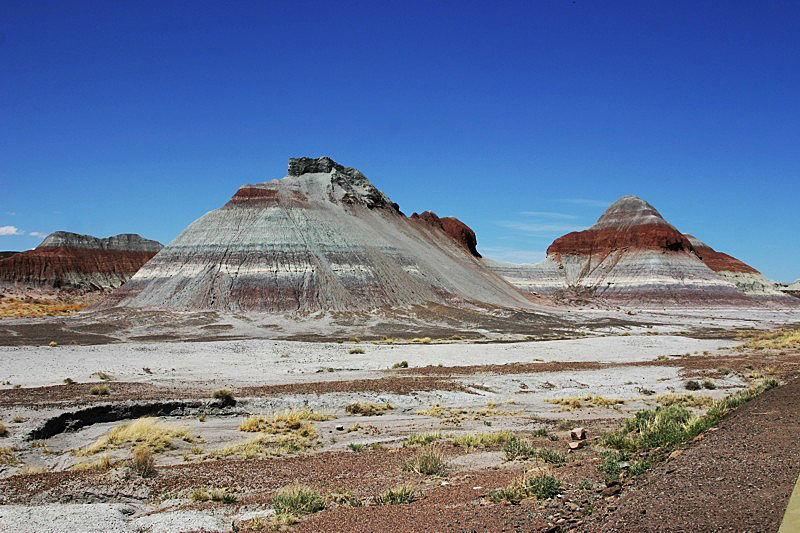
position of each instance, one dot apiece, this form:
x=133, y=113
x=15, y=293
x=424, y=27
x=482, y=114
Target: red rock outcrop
x=321, y=239
x=80, y=262
x=457, y=230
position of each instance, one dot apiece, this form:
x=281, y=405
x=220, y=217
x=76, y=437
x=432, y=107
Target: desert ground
x=115, y=425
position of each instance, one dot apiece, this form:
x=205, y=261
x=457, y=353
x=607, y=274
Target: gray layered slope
x=321, y=239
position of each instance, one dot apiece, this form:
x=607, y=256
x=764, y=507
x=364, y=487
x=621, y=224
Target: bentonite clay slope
x=746, y=278
x=71, y=261
x=321, y=239
x=631, y=254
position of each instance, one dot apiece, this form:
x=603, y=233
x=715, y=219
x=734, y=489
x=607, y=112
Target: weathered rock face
x=321, y=239
x=630, y=255
x=793, y=289
x=746, y=278
x=457, y=230
x=71, y=261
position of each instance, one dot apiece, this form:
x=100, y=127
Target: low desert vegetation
x=423, y=439
x=216, y=495
x=69, y=381
x=781, y=339
x=8, y=457
x=423, y=340
x=29, y=307
x=3, y=430
x=685, y=400
x=276, y=522
x=516, y=448
x=540, y=486
x=356, y=351
x=650, y=435
x=142, y=461
x=483, y=440
x=290, y=421
x=452, y=415
x=224, y=394
x=357, y=446
x=396, y=496
x=270, y=445
x=146, y=431
x=298, y=500
x=368, y=408
x=428, y=462
x=692, y=385
x=104, y=376
x=580, y=402
x=99, y=390
x=103, y=463
x=401, y=364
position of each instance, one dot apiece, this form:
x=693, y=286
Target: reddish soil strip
x=738, y=478
x=79, y=393
x=396, y=385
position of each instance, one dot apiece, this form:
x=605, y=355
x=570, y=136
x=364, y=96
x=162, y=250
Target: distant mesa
x=323, y=238
x=78, y=262
x=632, y=254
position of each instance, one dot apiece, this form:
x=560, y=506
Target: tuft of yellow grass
x=483, y=440
x=368, y=408
x=780, y=339
x=578, y=402
x=287, y=421
x=104, y=463
x=36, y=308
x=146, y=431
x=684, y=400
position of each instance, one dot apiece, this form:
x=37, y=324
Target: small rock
x=612, y=490
x=340, y=427
x=577, y=444
x=578, y=434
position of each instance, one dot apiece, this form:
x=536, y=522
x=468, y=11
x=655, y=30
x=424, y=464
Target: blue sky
x=524, y=119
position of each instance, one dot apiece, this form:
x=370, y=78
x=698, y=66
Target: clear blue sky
x=521, y=118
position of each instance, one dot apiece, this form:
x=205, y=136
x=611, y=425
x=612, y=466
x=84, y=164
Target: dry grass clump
x=368, y=408
x=272, y=445
x=355, y=351
x=28, y=307
x=103, y=376
x=145, y=431
x=401, y=364
x=276, y=522
x=104, y=463
x=142, y=461
x=99, y=390
x=781, y=339
x=422, y=439
x=290, y=421
x=3, y=430
x=483, y=440
x=298, y=500
x=224, y=394
x=8, y=457
x=423, y=340
x=396, y=496
x=516, y=448
x=685, y=400
x=450, y=415
x=576, y=402
x=428, y=462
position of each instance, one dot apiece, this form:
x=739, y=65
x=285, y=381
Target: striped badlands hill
x=630, y=255
x=321, y=239
x=71, y=261
x=746, y=278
